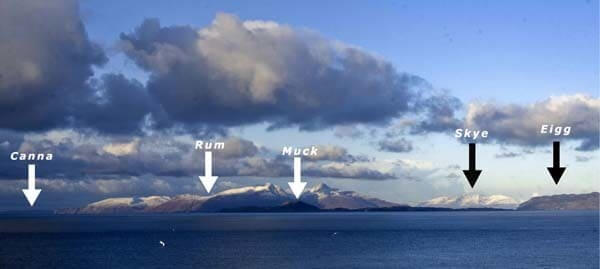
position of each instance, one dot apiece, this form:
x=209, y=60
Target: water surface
x=304, y=240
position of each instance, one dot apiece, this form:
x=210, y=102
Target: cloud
x=336, y=154
x=520, y=124
x=440, y=114
x=121, y=149
x=453, y=175
x=348, y=131
x=201, y=80
x=82, y=156
x=46, y=70
x=256, y=166
x=508, y=154
x=584, y=158
x=341, y=170
x=236, y=147
x=45, y=60
x=425, y=171
x=237, y=72
x=397, y=145
x=118, y=105
x=510, y=124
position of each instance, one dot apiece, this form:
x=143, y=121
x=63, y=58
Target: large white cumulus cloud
x=236, y=72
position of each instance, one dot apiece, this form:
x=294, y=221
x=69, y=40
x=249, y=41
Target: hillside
x=588, y=201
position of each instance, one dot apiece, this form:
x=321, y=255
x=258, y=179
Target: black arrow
x=472, y=174
x=556, y=171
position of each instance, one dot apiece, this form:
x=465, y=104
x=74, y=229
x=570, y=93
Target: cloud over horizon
x=520, y=124
x=89, y=156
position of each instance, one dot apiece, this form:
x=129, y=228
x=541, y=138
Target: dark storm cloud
x=45, y=60
x=237, y=72
x=520, y=124
x=118, y=106
x=46, y=66
x=395, y=145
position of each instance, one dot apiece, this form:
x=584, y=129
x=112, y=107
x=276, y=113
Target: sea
x=499, y=239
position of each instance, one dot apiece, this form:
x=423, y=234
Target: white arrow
x=31, y=193
x=297, y=186
x=208, y=180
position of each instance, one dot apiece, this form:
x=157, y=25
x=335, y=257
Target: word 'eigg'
x=555, y=130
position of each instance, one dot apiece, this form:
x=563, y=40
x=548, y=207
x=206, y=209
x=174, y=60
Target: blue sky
x=511, y=65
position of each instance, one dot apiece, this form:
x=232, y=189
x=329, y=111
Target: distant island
x=321, y=198
x=587, y=201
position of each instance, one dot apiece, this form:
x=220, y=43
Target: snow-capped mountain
x=124, y=205
x=261, y=196
x=326, y=197
x=472, y=200
x=268, y=195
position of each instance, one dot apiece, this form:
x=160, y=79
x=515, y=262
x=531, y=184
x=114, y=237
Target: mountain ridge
x=321, y=198
x=264, y=196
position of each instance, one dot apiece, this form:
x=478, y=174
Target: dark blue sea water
x=317, y=240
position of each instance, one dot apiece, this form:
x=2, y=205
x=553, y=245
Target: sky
x=119, y=92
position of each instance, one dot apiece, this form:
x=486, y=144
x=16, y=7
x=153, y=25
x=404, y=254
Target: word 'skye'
x=466, y=133
x=16, y=156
